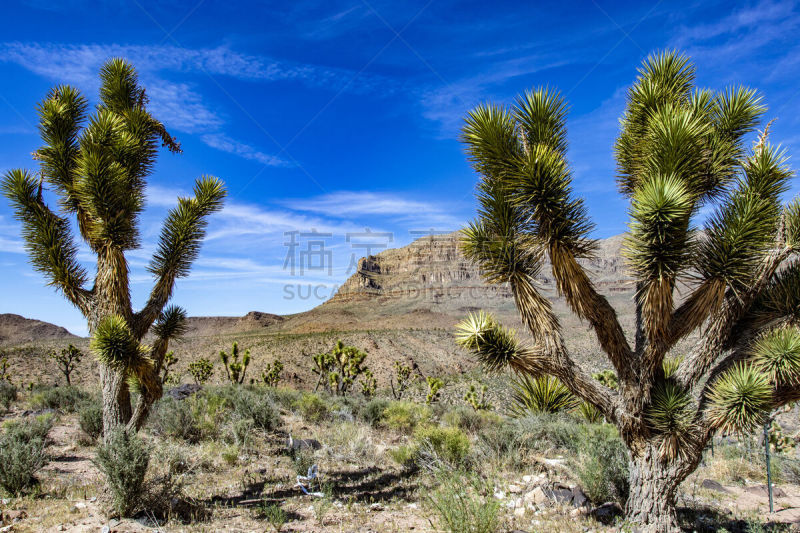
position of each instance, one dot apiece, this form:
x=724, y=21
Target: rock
x=579, y=498
x=761, y=490
x=716, y=486
x=519, y=511
x=500, y=495
x=536, y=496
x=303, y=444
x=514, y=489
x=527, y=478
x=607, y=512
x=559, y=493
x=181, y=392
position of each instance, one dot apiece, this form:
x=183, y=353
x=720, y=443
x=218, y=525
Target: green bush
x=64, y=399
x=464, y=503
x=123, y=459
x=405, y=456
x=470, y=420
x=448, y=444
x=405, y=416
x=90, y=419
x=272, y=513
x=312, y=407
x=372, y=411
x=176, y=419
x=255, y=405
x=285, y=398
x=22, y=453
x=602, y=465
x=8, y=394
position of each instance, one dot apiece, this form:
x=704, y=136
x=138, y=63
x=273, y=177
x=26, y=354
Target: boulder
x=607, y=513
x=181, y=392
x=716, y=486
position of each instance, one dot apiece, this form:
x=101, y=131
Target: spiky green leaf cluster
x=493, y=345
x=115, y=346
x=739, y=399
x=541, y=394
x=670, y=417
x=777, y=354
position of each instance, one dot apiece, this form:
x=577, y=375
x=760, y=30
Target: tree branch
x=48, y=239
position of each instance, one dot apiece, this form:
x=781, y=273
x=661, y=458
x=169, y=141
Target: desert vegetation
x=685, y=425
x=680, y=149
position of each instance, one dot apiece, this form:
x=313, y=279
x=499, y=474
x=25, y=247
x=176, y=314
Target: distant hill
x=401, y=304
x=16, y=329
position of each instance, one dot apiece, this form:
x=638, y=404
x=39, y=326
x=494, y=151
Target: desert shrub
x=284, y=397
x=64, y=399
x=123, y=459
x=8, y=394
x=240, y=431
x=372, y=411
x=272, y=513
x=470, y=420
x=446, y=444
x=543, y=431
x=163, y=488
x=22, y=453
x=405, y=456
x=175, y=419
x=602, y=465
x=256, y=405
x=351, y=442
x=312, y=407
x=405, y=416
x=90, y=418
x=463, y=503
x=303, y=459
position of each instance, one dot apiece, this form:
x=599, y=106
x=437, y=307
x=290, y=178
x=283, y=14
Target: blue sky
x=343, y=116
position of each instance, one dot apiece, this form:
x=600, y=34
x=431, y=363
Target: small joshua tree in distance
x=478, y=402
x=201, y=370
x=434, y=389
x=235, y=369
x=66, y=360
x=272, y=373
x=403, y=375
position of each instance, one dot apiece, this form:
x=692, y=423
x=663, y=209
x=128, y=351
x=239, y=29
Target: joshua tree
x=369, y=385
x=67, y=359
x=169, y=361
x=339, y=368
x=737, y=282
x=201, y=370
x=477, y=401
x=98, y=170
x=235, y=369
x=403, y=373
x=434, y=389
x=272, y=373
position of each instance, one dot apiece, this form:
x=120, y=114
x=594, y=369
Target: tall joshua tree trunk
x=653, y=487
x=99, y=172
x=679, y=150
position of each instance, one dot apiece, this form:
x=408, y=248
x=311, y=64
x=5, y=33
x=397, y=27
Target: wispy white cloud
x=180, y=105
x=350, y=204
x=222, y=142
